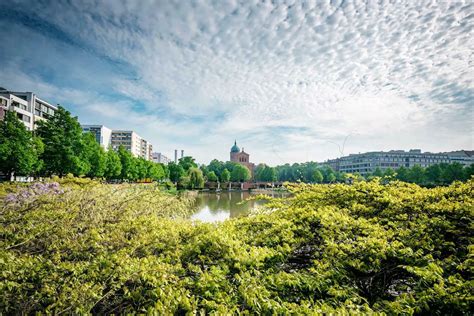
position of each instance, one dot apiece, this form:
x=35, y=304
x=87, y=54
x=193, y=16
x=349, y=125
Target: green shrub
x=327, y=249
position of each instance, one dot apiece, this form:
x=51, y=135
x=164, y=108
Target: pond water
x=216, y=207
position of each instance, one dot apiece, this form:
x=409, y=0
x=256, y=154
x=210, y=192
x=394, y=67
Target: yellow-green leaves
x=368, y=247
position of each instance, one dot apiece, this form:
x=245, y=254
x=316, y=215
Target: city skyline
x=292, y=82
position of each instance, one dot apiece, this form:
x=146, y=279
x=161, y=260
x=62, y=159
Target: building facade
x=103, y=135
x=367, y=163
x=160, y=158
x=29, y=108
x=132, y=142
x=241, y=157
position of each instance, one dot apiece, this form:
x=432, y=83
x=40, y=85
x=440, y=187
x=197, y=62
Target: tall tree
x=318, y=176
x=187, y=163
x=196, y=178
x=225, y=176
x=62, y=138
x=240, y=173
x=211, y=177
x=155, y=171
x=128, y=164
x=377, y=172
x=113, y=167
x=95, y=156
x=416, y=174
x=19, y=150
x=216, y=166
x=176, y=171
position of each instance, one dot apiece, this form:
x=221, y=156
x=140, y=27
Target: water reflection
x=213, y=207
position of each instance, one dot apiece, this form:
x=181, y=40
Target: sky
x=291, y=81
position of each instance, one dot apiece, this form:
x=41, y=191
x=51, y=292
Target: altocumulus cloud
x=291, y=80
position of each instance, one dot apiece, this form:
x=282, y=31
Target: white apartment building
x=29, y=108
x=10, y=102
x=160, y=158
x=132, y=142
x=366, y=163
x=103, y=135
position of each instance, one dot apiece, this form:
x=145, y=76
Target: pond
x=216, y=207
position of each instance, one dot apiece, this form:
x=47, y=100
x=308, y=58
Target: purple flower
x=34, y=191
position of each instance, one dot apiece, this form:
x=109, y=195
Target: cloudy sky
x=292, y=81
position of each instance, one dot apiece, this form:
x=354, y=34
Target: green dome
x=235, y=148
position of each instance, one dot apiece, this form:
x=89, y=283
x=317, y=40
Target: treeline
x=440, y=174
x=312, y=172
x=187, y=175
x=58, y=146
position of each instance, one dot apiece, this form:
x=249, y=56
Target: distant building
x=160, y=158
x=241, y=157
x=132, y=142
x=103, y=135
x=29, y=108
x=367, y=163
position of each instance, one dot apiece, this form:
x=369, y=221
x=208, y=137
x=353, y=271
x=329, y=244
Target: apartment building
x=367, y=163
x=132, y=142
x=29, y=107
x=103, y=135
x=10, y=102
x=160, y=158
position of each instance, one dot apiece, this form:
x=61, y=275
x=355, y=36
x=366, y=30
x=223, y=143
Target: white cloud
x=394, y=75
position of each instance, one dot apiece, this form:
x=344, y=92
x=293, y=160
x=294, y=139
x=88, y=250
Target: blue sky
x=292, y=81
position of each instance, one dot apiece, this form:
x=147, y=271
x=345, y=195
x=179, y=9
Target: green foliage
x=328, y=249
x=240, y=173
x=63, y=144
x=187, y=163
x=318, y=176
x=176, y=172
x=19, y=150
x=225, y=176
x=113, y=165
x=217, y=167
x=95, y=156
x=212, y=177
x=196, y=178
x=265, y=173
x=128, y=163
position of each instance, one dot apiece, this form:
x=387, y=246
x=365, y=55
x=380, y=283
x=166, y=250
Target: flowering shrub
x=31, y=193
x=327, y=249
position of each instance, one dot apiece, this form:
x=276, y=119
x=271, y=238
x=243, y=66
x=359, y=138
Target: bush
x=328, y=249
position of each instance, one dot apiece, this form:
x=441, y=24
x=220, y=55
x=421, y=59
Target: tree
x=225, y=176
x=433, y=174
x=452, y=172
x=377, y=172
x=240, y=174
x=187, y=163
x=176, y=171
x=268, y=174
x=19, y=150
x=389, y=172
x=128, y=164
x=196, y=178
x=402, y=174
x=318, y=176
x=416, y=174
x=259, y=171
x=94, y=155
x=113, y=165
x=216, y=166
x=141, y=167
x=62, y=138
x=155, y=171
x=211, y=177
x=204, y=170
